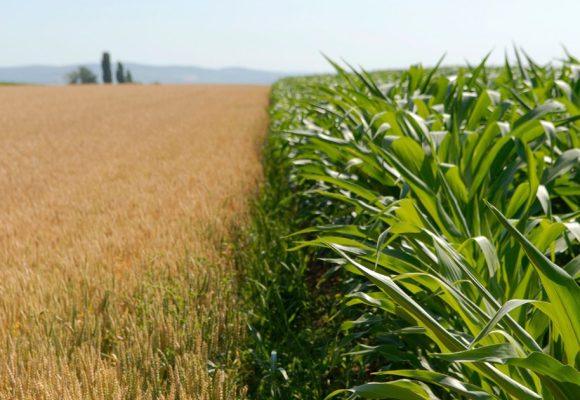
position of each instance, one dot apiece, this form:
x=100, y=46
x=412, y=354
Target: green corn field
x=431, y=235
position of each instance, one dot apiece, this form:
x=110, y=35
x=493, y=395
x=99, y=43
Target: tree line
x=83, y=75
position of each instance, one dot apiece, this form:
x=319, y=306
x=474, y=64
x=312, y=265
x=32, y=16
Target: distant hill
x=55, y=75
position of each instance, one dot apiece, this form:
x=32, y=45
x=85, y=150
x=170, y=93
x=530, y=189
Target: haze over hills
x=56, y=75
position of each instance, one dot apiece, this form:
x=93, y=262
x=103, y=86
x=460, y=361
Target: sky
x=286, y=36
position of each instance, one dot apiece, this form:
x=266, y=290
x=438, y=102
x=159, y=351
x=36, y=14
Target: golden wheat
x=115, y=208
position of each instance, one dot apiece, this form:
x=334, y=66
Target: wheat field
x=116, y=205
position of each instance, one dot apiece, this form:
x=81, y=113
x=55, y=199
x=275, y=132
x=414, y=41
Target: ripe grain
x=115, y=208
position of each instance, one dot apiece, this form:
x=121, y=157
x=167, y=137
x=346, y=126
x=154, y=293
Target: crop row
x=446, y=205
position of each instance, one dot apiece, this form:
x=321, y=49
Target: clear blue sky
x=283, y=35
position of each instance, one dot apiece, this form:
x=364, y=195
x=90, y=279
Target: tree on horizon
x=120, y=73
x=82, y=75
x=106, y=67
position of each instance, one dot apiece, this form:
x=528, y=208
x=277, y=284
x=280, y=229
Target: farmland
x=406, y=234
x=115, y=213
x=425, y=241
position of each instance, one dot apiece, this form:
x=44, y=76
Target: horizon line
x=164, y=66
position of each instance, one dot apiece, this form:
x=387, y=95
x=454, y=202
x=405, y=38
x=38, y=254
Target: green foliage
x=295, y=346
x=444, y=208
x=106, y=67
x=120, y=74
x=82, y=75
